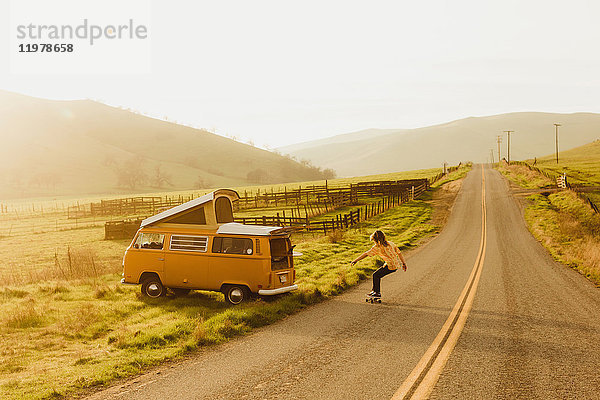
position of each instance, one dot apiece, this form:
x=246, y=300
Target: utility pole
x=508, y=133
x=492, y=155
x=499, y=140
x=556, y=139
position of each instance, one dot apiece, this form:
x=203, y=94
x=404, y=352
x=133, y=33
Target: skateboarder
x=389, y=252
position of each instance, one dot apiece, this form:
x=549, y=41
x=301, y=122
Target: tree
x=329, y=173
x=258, y=175
x=131, y=173
x=160, y=177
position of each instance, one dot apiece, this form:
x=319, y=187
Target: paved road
x=498, y=316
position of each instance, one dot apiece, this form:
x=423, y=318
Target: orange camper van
x=196, y=245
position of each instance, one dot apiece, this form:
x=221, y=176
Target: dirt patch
x=443, y=201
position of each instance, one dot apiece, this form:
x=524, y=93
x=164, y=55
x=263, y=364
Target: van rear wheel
x=236, y=294
x=153, y=288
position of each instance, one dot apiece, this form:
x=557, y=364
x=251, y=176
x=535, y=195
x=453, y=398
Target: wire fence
x=562, y=182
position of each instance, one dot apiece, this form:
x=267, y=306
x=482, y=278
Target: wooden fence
x=313, y=200
x=325, y=196
x=314, y=197
x=127, y=228
x=442, y=174
x=341, y=221
x=121, y=229
x=142, y=205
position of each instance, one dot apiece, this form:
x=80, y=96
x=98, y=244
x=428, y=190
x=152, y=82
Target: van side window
x=224, y=210
x=228, y=245
x=189, y=243
x=194, y=217
x=150, y=241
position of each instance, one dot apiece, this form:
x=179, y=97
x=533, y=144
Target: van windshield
x=280, y=253
x=150, y=241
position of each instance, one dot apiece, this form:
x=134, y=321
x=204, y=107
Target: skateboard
x=373, y=299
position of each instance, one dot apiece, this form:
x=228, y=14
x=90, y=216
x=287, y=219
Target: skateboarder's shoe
x=375, y=294
x=372, y=293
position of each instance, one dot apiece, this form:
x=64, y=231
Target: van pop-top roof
x=210, y=210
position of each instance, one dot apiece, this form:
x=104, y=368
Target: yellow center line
x=421, y=381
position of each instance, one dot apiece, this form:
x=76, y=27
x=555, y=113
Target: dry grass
x=199, y=334
x=34, y=258
x=525, y=177
x=569, y=229
x=336, y=236
x=64, y=263
x=443, y=201
x=73, y=323
x=25, y=314
x=76, y=264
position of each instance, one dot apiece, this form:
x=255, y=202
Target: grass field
x=567, y=227
x=33, y=216
x=581, y=164
x=25, y=206
x=67, y=324
x=526, y=178
x=31, y=241
x=563, y=222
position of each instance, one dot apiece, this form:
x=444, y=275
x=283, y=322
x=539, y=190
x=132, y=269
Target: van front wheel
x=235, y=294
x=153, y=288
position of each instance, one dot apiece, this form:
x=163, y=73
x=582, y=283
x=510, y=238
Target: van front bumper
x=126, y=283
x=281, y=290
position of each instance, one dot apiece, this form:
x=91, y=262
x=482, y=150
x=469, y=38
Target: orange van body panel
x=205, y=270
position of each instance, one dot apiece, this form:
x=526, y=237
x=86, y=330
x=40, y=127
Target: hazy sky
x=282, y=72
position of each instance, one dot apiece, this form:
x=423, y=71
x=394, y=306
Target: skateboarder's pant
x=377, y=275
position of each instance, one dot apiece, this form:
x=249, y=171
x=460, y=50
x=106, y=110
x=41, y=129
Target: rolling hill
x=380, y=151
x=53, y=148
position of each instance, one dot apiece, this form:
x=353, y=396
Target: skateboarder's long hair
x=379, y=238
